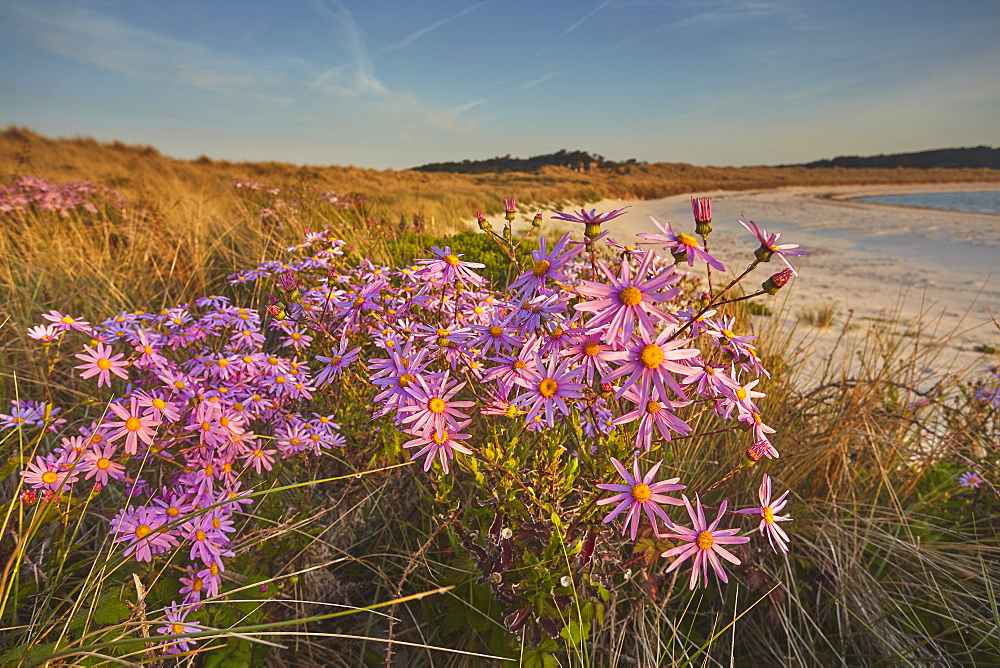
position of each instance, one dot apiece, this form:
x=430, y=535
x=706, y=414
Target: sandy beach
x=879, y=263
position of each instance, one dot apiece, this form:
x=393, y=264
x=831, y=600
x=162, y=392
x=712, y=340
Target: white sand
x=879, y=261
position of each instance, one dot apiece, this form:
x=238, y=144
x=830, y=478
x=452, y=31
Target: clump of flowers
x=30, y=192
x=587, y=365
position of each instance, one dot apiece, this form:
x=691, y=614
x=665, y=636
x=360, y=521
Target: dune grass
x=891, y=562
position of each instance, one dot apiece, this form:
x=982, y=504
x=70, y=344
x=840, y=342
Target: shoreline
x=918, y=271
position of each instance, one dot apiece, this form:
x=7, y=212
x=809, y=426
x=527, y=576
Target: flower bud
x=483, y=223
x=776, y=282
x=537, y=220
x=763, y=254
x=510, y=207
x=287, y=281
x=28, y=497
x=702, y=209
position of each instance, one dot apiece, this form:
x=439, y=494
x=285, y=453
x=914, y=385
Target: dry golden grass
x=178, y=189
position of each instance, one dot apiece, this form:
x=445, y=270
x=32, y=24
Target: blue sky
x=398, y=83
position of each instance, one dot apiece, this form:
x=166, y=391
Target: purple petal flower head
x=443, y=444
x=650, y=361
x=768, y=512
x=591, y=219
x=769, y=244
x=177, y=625
x=102, y=364
x=640, y=494
x=143, y=529
x=970, y=479
x=704, y=543
x=548, y=266
x=681, y=246
x=627, y=298
x=547, y=388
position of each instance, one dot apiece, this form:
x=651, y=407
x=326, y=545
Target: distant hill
x=951, y=158
x=946, y=158
x=578, y=160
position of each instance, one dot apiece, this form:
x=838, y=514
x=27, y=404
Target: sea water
x=974, y=202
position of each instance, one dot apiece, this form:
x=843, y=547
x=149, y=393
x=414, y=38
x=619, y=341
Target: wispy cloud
x=585, y=17
x=82, y=34
x=374, y=103
x=417, y=34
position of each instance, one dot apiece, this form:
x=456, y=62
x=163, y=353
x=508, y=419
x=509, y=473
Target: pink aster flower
x=628, y=299
x=434, y=407
x=100, y=363
x=547, y=387
x=970, y=479
x=653, y=416
x=640, y=494
x=681, y=246
x=442, y=444
x=651, y=362
x=133, y=426
x=97, y=463
x=48, y=472
x=704, y=543
x=767, y=510
x=65, y=322
x=548, y=267
x=769, y=244
x=177, y=625
x=143, y=529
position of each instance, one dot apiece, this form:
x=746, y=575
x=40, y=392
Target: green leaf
x=575, y=632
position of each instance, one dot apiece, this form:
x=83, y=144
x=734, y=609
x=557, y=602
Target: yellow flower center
x=556, y=333
x=768, y=515
x=705, y=540
x=548, y=387
x=214, y=569
x=133, y=424
x=436, y=405
x=148, y=350
x=224, y=362
x=591, y=348
x=143, y=530
x=197, y=584
x=216, y=522
x=741, y=394
x=200, y=535
x=653, y=407
x=180, y=384
x=687, y=239
x=103, y=364
x=641, y=492
x=406, y=379
x=520, y=365
x=50, y=477
x=451, y=259
x=511, y=411
x=630, y=296
x=440, y=437
x=173, y=511
x=159, y=404
x=651, y=356
x=103, y=463
x=66, y=319
x=96, y=438
x=541, y=268
x=728, y=333
x=496, y=331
